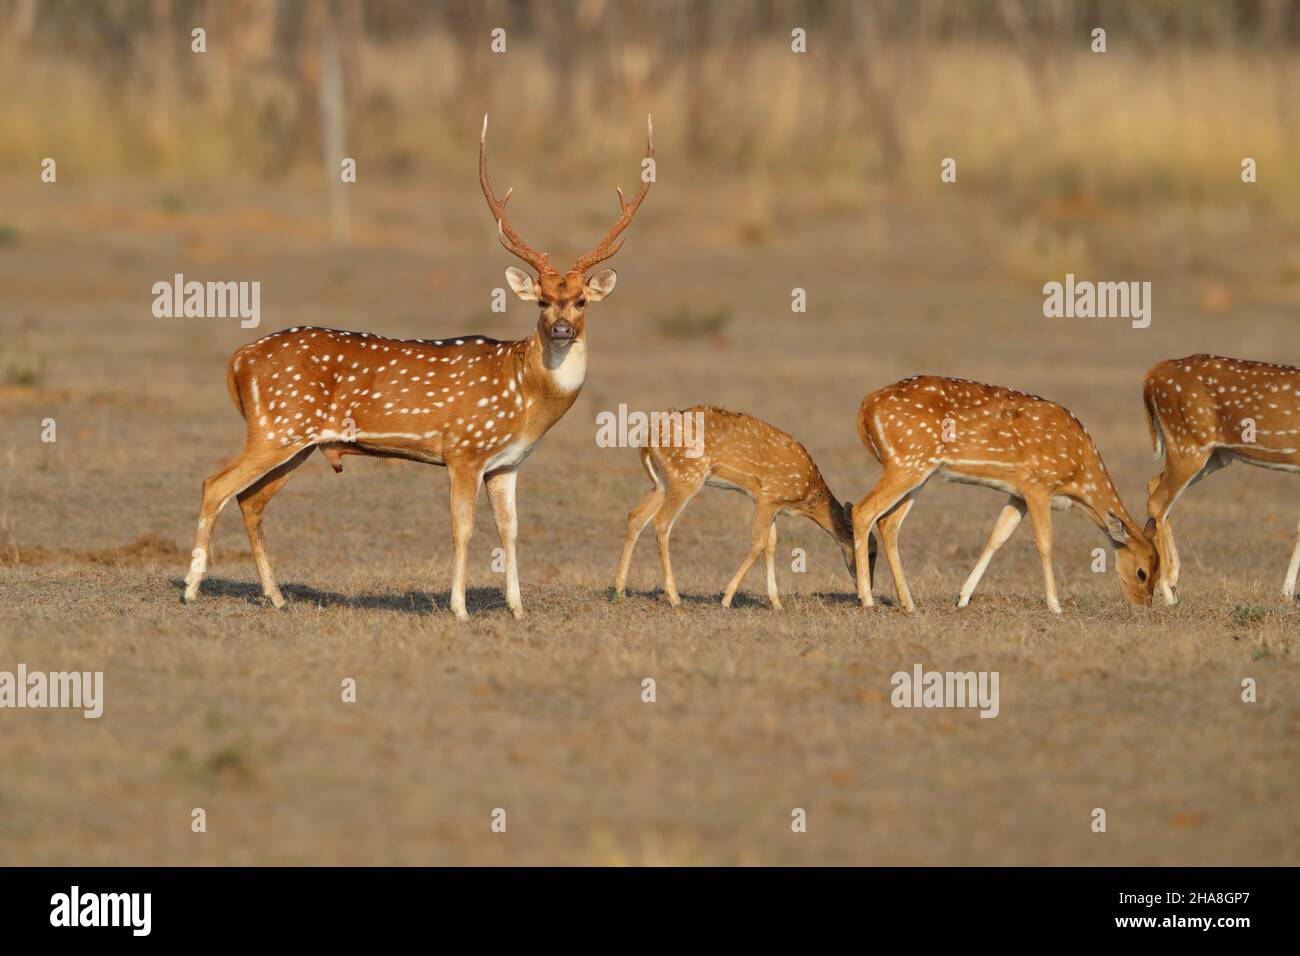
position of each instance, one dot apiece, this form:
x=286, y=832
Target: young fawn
x=1205, y=412
x=743, y=454
x=1027, y=447
x=472, y=404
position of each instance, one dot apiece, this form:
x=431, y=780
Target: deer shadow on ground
x=477, y=600
x=406, y=602
x=743, y=600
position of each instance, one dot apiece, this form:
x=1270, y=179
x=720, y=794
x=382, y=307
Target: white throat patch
x=571, y=371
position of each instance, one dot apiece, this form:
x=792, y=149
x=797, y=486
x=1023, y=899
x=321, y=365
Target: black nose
x=562, y=330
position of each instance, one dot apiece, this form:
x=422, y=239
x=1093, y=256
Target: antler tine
x=505, y=232
x=626, y=211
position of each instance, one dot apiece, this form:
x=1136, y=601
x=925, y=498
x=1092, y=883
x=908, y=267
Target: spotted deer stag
x=1205, y=412
x=740, y=453
x=470, y=403
x=1031, y=449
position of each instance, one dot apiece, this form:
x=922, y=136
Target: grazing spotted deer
x=1205, y=412
x=470, y=403
x=1032, y=449
x=743, y=454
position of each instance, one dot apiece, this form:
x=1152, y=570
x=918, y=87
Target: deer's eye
x=543, y=304
x=581, y=303
x=1142, y=575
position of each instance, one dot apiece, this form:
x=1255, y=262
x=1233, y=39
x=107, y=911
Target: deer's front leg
x=773, y=595
x=864, y=559
x=1167, y=581
x=1040, y=515
x=888, y=527
x=464, y=499
x=764, y=515
x=501, y=492
x=1293, y=570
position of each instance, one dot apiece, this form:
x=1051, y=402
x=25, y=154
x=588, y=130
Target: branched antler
x=626, y=211
x=509, y=238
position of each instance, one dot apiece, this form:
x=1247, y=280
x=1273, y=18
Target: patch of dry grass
x=230, y=706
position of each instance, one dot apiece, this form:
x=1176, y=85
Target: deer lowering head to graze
x=743, y=454
x=1205, y=412
x=1031, y=449
x=470, y=403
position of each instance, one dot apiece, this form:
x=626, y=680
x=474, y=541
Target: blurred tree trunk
x=472, y=22
x=881, y=102
x=1274, y=39
x=352, y=36
x=304, y=32
x=333, y=113
x=1040, y=50
x=18, y=24
x=160, y=72
x=562, y=52
x=241, y=38
x=698, y=40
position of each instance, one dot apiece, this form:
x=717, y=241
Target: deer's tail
x=1153, y=419
x=233, y=385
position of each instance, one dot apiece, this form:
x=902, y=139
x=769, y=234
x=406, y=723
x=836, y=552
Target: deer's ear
x=1115, y=528
x=522, y=283
x=601, y=285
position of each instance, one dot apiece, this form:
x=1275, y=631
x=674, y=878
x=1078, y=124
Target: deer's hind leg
x=252, y=502
x=254, y=463
x=894, y=485
x=1181, y=472
x=1007, y=522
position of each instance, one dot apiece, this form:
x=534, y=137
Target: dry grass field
x=234, y=707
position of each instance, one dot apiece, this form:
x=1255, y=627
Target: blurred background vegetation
x=885, y=90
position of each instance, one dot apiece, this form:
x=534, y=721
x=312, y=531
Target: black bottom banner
x=336, y=906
